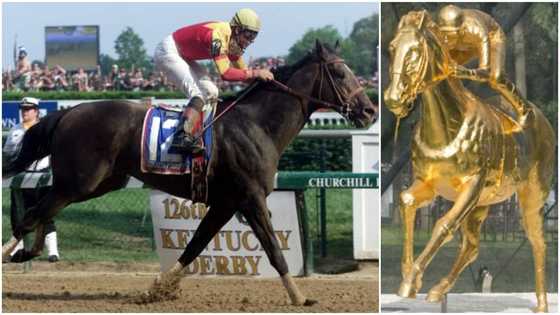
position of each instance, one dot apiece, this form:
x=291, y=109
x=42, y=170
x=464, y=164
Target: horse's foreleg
x=531, y=200
x=442, y=233
x=257, y=214
x=418, y=195
x=34, y=219
x=166, y=285
x=470, y=229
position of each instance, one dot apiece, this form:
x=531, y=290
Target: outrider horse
x=95, y=147
x=466, y=151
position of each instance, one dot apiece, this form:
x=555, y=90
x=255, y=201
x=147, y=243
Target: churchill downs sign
x=235, y=250
x=297, y=180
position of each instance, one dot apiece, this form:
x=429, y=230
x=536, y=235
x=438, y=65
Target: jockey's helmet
x=246, y=19
x=450, y=18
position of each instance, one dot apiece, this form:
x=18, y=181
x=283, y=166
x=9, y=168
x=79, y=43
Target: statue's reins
x=344, y=100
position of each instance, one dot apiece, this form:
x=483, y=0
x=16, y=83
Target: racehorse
x=95, y=147
x=466, y=151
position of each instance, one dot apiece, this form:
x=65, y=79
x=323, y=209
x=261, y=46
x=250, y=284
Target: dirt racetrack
x=69, y=288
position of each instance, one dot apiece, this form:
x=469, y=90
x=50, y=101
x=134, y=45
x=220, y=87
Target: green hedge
x=75, y=95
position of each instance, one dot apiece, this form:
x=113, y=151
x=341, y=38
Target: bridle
x=419, y=83
x=344, y=101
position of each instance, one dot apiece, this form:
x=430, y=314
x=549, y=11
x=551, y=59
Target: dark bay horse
x=95, y=147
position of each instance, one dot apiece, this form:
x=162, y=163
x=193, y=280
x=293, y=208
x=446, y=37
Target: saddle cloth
x=160, y=125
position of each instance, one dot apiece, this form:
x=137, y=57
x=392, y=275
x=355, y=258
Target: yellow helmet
x=450, y=18
x=246, y=19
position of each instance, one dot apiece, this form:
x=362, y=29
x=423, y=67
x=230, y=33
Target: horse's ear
x=319, y=49
x=337, y=47
x=424, y=19
x=414, y=18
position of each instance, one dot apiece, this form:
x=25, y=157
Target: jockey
x=474, y=34
x=222, y=42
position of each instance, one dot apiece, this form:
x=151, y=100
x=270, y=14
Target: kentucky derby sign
x=235, y=250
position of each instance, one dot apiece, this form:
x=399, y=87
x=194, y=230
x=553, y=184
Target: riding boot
x=192, y=115
x=510, y=92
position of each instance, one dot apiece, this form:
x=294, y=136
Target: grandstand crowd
x=39, y=77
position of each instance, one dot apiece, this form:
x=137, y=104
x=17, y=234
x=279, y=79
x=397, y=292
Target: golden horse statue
x=466, y=151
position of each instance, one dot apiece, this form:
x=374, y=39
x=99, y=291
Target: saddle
x=161, y=124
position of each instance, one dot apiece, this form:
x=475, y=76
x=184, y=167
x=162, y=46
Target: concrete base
x=468, y=302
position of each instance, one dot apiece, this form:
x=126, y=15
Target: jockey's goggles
x=249, y=35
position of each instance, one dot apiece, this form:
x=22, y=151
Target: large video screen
x=72, y=47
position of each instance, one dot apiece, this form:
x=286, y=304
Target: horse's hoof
x=22, y=255
x=434, y=297
x=309, y=302
x=406, y=290
x=540, y=309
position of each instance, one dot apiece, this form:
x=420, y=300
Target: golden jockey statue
x=464, y=149
x=470, y=34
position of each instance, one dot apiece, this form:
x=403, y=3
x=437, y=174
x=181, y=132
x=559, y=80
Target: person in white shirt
x=28, y=197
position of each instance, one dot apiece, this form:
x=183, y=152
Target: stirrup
x=185, y=143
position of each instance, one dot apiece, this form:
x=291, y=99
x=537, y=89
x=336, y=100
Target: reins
x=230, y=106
x=343, y=105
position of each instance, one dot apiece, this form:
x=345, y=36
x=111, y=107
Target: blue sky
x=283, y=23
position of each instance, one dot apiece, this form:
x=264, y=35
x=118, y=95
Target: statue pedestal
x=468, y=302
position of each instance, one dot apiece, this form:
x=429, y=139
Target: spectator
x=122, y=81
x=163, y=79
x=113, y=77
x=80, y=80
x=29, y=197
x=59, y=78
x=96, y=80
x=137, y=80
x=23, y=70
x=7, y=82
x=154, y=82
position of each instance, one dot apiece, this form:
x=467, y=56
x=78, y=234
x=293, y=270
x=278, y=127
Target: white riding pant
x=180, y=73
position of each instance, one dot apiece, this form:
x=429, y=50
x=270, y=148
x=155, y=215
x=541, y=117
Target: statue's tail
x=36, y=144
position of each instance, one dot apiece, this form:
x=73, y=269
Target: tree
x=130, y=50
x=360, y=48
x=328, y=34
x=106, y=63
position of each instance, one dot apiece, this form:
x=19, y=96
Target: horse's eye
x=411, y=69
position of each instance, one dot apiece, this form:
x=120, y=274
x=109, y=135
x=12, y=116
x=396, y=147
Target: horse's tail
x=36, y=144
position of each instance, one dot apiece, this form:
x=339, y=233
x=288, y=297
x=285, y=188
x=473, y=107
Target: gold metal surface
x=464, y=149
